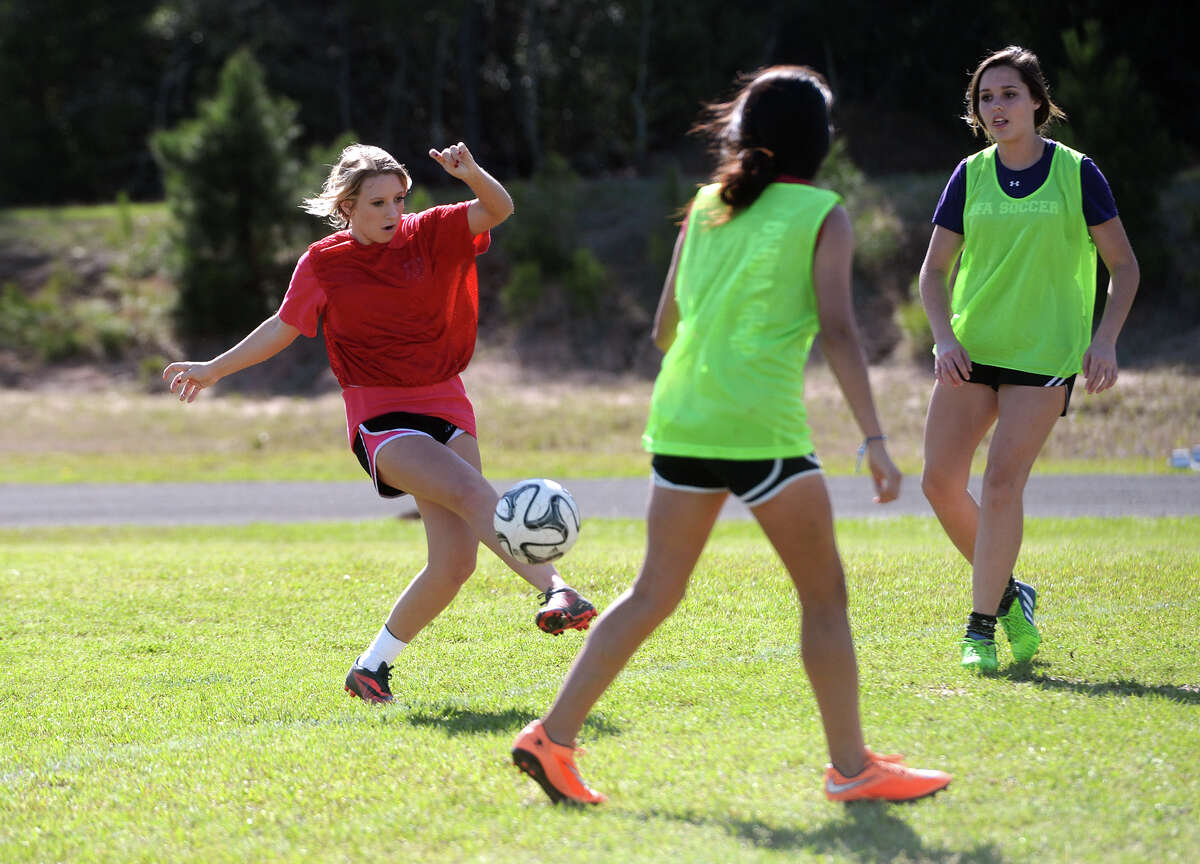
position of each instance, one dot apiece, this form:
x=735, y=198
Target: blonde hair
x=357, y=163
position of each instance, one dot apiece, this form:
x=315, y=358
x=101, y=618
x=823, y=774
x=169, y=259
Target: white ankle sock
x=384, y=649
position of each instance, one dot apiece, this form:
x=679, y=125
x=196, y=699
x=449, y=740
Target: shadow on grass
x=1187, y=694
x=871, y=831
x=461, y=719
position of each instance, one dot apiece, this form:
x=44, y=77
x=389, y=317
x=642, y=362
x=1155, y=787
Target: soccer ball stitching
x=516, y=520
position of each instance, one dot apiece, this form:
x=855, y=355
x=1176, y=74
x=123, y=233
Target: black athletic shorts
x=374, y=433
x=994, y=376
x=755, y=481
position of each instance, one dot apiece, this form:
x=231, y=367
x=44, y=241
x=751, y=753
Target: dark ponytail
x=778, y=123
x=743, y=180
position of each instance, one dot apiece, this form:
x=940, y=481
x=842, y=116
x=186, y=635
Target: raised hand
x=456, y=160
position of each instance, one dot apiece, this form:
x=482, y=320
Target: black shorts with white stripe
x=994, y=376
x=374, y=433
x=755, y=481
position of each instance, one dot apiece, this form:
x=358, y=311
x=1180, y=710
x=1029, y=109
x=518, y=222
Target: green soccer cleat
x=1023, y=636
x=979, y=655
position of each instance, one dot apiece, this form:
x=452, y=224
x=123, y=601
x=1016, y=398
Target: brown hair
x=357, y=163
x=777, y=123
x=1025, y=62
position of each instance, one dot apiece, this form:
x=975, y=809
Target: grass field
x=175, y=695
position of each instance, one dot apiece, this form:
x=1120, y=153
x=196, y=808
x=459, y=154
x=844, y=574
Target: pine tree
x=230, y=180
x=1112, y=118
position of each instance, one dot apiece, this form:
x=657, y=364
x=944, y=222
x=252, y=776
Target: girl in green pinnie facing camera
x=1008, y=283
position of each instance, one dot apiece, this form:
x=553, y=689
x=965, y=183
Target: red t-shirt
x=400, y=318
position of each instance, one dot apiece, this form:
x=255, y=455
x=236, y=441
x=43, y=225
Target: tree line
x=230, y=108
x=606, y=83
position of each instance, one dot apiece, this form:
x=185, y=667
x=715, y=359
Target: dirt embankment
x=613, y=339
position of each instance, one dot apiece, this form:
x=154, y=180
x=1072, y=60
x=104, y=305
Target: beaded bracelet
x=862, y=449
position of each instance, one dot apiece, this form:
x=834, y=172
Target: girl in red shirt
x=398, y=299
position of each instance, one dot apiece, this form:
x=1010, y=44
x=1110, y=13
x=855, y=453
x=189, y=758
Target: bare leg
x=799, y=523
x=452, y=547
x=1027, y=414
x=958, y=419
x=448, y=475
x=678, y=525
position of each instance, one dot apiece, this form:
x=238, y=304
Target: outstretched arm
x=841, y=346
x=492, y=204
x=265, y=341
x=1100, y=359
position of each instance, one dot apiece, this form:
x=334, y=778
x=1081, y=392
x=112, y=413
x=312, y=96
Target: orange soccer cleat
x=552, y=766
x=884, y=778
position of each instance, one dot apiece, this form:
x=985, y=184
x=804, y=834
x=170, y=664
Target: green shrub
x=149, y=372
x=878, y=229
x=18, y=316
x=98, y=331
x=123, y=230
x=521, y=293
x=419, y=199
x=41, y=325
x=49, y=326
x=673, y=196
x=914, y=324
x=1136, y=154
x=544, y=228
x=231, y=187
x=584, y=281
x=550, y=266
x=1180, y=204
x=839, y=173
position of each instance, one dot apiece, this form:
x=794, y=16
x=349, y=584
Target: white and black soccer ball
x=536, y=521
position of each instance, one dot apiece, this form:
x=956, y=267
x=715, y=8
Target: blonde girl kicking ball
x=397, y=296
x=762, y=266
x=1008, y=283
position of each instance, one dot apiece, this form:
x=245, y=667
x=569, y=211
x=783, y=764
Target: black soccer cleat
x=370, y=686
x=564, y=609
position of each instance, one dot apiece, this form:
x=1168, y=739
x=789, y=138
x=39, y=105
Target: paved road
x=231, y=503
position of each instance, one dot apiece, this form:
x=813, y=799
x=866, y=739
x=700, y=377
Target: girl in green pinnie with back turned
x=762, y=266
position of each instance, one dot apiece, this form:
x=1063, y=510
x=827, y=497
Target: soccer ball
x=536, y=521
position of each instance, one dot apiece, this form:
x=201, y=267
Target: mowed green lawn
x=176, y=695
